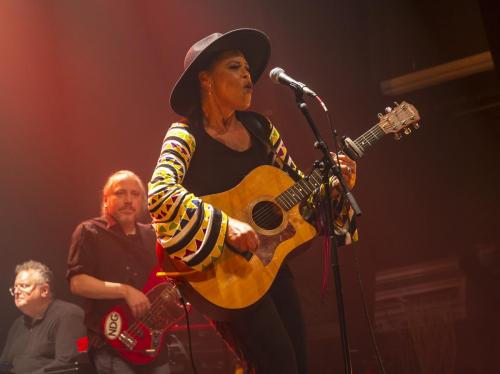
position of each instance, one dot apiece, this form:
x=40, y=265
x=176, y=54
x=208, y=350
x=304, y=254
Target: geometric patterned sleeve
x=187, y=228
x=281, y=157
x=345, y=223
x=345, y=228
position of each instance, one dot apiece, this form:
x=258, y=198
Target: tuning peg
x=397, y=136
x=388, y=109
x=416, y=126
x=407, y=131
x=380, y=115
x=396, y=103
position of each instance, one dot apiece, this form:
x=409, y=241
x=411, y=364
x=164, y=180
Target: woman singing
x=211, y=149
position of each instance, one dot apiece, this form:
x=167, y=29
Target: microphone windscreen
x=275, y=73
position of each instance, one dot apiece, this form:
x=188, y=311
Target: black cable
x=336, y=144
x=373, y=338
x=186, y=312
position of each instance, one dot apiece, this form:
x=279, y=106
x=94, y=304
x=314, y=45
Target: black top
x=33, y=346
x=107, y=253
x=217, y=168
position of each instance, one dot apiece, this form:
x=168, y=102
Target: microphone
x=278, y=75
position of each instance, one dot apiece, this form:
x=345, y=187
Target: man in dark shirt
x=110, y=260
x=45, y=336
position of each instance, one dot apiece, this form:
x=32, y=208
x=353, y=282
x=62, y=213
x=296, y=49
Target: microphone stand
x=327, y=164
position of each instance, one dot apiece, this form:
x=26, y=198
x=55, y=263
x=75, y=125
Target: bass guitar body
x=140, y=341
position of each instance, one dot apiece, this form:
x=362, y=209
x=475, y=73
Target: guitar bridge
x=127, y=340
x=155, y=342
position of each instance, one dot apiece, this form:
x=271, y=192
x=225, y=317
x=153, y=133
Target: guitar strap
x=260, y=127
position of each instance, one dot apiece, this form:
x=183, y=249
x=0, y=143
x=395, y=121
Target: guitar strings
x=293, y=191
x=287, y=199
x=264, y=216
x=134, y=328
x=374, y=134
x=156, y=306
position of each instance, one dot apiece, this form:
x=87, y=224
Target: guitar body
x=235, y=282
x=140, y=341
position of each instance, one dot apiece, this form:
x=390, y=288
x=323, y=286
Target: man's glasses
x=23, y=287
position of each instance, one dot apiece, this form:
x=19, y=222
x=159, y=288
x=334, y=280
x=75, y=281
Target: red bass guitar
x=140, y=341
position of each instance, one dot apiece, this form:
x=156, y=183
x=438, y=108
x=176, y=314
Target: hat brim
x=254, y=45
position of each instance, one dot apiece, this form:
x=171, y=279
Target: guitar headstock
x=399, y=119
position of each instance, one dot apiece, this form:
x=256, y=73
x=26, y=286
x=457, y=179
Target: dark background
x=84, y=89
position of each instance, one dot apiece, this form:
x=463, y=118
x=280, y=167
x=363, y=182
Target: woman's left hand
x=348, y=168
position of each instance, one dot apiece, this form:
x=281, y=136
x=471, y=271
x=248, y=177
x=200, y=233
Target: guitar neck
x=394, y=121
x=299, y=191
x=369, y=138
x=305, y=187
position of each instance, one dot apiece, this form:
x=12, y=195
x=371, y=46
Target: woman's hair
x=195, y=118
x=118, y=175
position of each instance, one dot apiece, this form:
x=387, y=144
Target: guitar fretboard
x=369, y=138
x=299, y=191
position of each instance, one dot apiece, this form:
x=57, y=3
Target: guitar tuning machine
x=388, y=109
x=397, y=136
x=416, y=126
x=407, y=131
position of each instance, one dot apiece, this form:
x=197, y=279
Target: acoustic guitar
x=268, y=199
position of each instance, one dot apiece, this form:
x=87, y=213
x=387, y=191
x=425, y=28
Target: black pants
x=271, y=335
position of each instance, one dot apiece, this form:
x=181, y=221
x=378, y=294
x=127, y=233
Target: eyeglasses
x=23, y=287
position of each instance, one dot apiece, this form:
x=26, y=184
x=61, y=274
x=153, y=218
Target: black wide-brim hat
x=254, y=45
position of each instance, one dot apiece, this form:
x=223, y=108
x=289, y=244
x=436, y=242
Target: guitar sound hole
x=267, y=215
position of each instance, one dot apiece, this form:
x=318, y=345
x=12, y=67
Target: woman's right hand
x=241, y=236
